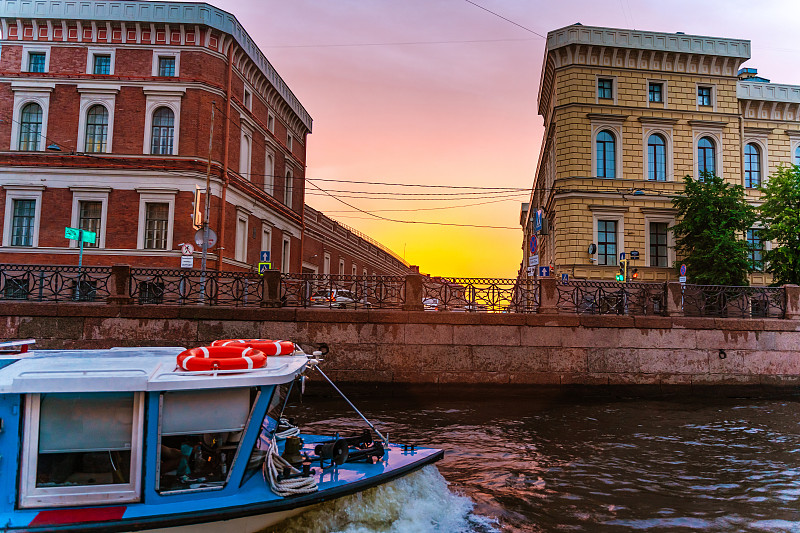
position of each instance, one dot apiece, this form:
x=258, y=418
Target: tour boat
x=169, y=439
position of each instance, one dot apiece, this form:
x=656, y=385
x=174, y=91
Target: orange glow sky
x=442, y=92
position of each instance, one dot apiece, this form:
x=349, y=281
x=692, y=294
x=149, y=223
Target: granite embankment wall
x=446, y=347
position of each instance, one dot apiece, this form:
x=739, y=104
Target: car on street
x=338, y=298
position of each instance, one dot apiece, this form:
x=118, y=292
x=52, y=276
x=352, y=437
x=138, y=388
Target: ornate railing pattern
x=342, y=291
x=194, y=287
x=493, y=295
x=726, y=301
x=48, y=283
x=611, y=298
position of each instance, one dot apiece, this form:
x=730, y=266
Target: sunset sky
x=442, y=92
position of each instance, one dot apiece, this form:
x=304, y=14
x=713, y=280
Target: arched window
x=606, y=155
x=706, y=157
x=96, y=129
x=287, y=192
x=752, y=166
x=30, y=127
x=162, y=131
x=656, y=158
x=269, y=173
x=797, y=156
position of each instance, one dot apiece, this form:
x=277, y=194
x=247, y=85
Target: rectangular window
x=285, y=255
x=656, y=92
x=166, y=66
x=606, y=242
x=89, y=215
x=289, y=142
x=605, y=88
x=247, y=99
x=755, y=250
x=341, y=267
x=36, y=61
x=271, y=123
x=658, y=244
x=102, y=64
x=23, y=217
x=704, y=96
x=155, y=226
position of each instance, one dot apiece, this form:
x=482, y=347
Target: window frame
x=288, y=187
x=651, y=84
x=750, y=166
x=652, y=159
x=610, y=88
x=615, y=127
x=269, y=172
x=90, y=97
x=81, y=494
x=93, y=52
x=341, y=267
x=25, y=94
x=167, y=140
x=157, y=97
x=166, y=52
x=40, y=140
x=326, y=263
x=147, y=196
x=266, y=238
x=712, y=96
x=90, y=194
x=240, y=252
x=27, y=50
x=22, y=192
x=286, y=253
x=597, y=143
x=716, y=136
x=608, y=213
x=102, y=136
x=752, y=251
x=246, y=153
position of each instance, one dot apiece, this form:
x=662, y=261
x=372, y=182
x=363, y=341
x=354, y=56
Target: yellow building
x=627, y=115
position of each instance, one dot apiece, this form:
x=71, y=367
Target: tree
x=714, y=217
x=780, y=214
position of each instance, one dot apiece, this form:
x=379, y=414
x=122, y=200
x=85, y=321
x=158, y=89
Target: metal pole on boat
x=384, y=439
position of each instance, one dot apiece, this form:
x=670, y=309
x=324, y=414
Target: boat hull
x=246, y=524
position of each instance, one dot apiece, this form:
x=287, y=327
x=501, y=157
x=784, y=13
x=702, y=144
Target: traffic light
x=635, y=273
x=197, y=214
x=623, y=270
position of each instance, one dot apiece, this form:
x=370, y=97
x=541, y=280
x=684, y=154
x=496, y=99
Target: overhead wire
x=506, y=19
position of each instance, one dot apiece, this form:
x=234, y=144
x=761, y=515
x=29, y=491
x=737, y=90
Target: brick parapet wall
x=447, y=347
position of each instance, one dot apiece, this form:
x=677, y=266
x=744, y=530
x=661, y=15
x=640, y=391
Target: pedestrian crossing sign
x=263, y=267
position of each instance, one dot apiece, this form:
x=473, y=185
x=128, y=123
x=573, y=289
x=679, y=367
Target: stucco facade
x=627, y=115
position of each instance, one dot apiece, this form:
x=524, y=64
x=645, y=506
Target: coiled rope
x=290, y=432
x=284, y=487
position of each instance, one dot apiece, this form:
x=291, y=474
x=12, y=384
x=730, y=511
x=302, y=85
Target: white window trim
x=155, y=196
x=716, y=136
x=619, y=216
x=286, y=251
x=90, y=194
x=288, y=187
x=32, y=496
x=326, y=264
x=269, y=172
x=24, y=95
x=91, y=96
x=664, y=91
x=670, y=220
x=616, y=129
x=266, y=243
x=354, y=269
x=666, y=132
x=713, y=105
x=100, y=51
x=162, y=97
x=167, y=52
x=26, y=51
x=794, y=143
x=245, y=152
x=242, y=215
x=341, y=267
x=247, y=97
x=614, y=89
x=762, y=142
x=289, y=142
x=271, y=122
x=22, y=192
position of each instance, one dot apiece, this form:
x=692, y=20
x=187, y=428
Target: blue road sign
x=564, y=278
x=537, y=221
x=534, y=245
x=263, y=267
x=621, y=256
x=683, y=270
x=265, y=256
x=544, y=271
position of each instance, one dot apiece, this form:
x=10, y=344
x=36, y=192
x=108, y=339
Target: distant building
x=627, y=115
x=106, y=114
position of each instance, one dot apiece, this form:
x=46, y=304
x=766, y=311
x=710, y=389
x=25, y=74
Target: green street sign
x=75, y=234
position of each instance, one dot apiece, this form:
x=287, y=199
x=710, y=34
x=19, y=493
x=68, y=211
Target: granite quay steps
x=395, y=346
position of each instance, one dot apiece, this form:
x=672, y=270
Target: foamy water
x=417, y=503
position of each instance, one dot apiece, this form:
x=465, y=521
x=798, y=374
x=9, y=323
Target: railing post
x=548, y=296
x=414, y=293
x=120, y=285
x=674, y=298
x=271, y=294
x=792, y=294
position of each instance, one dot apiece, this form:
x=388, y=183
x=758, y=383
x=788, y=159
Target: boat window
x=268, y=427
x=200, y=433
x=81, y=448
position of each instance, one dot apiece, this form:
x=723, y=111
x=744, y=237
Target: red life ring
x=265, y=345
x=221, y=358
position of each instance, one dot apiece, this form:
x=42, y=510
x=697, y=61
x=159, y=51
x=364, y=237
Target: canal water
x=519, y=461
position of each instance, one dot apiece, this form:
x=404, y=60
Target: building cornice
x=188, y=13
x=772, y=92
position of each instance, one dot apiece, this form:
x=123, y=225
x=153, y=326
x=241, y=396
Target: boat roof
x=129, y=369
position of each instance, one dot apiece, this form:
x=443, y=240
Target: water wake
x=418, y=503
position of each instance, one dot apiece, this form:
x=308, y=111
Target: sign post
x=80, y=235
x=682, y=279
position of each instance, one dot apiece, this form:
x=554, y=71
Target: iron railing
x=493, y=295
x=612, y=298
x=342, y=291
x=48, y=283
x=728, y=301
x=193, y=287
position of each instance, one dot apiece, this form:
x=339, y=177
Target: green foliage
x=714, y=217
x=780, y=214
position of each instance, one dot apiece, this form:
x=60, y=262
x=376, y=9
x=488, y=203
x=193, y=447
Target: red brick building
x=330, y=247
x=105, y=123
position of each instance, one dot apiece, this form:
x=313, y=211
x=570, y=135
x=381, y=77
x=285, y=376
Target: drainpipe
x=303, y=211
x=225, y=154
x=741, y=147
